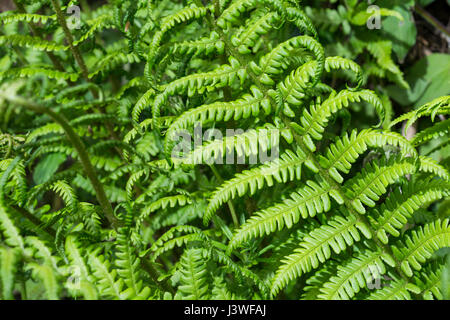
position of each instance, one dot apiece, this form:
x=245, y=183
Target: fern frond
x=128, y=267
x=107, y=283
x=27, y=72
x=440, y=129
x=8, y=17
x=398, y=289
x=429, y=282
x=428, y=164
x=437, y=106
x=316, y=247
x=194, y=275
x=306, y=202
x=354, y=275
x=286, y=168
x=294, y=87
x=344, y=152
x=205, y=45
x=339, y=63
x=420, y=244
x=48, y=277
x=95, y=25
x=314, y=121
x=168, y=22
x=162, y=203
x=252, y=33
x=248, y=105
x=8, y=268
x=66, y=192
x=35, y=43
x=368, y=185
x=225, y=75
x=394, y=213
x=231, y=15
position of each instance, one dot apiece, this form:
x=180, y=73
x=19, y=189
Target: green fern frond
x=344, y=152
x=286, y=168
x=428, y=164
x=314, y=121
x=430, y=282
x=32, y=42
x=398, y=289
x=27, y=72
x=440, y=129
x=437, y=106
x=107, y=283
x=66, y=192
x=8, y=268
x=371, y=182
x=354, y=275
x=316, y=247
x=8, y=17
x=420, y=244
x=48, y=277
x=194, y=275
x=306, y=202
x=394, y=213
x=231, y=15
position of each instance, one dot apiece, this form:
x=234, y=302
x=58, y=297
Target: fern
x=101, y=197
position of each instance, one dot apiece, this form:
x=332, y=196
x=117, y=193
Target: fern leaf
x=420, y=244
x=231, y=15
x=35, y=43
x=440, y=129
x=314, y=121
x=107, y=283
x=8, y=269
x=48, y=277
x=306, y=202
x=286, y=168
x=344, y=152
x=316, y=247
x=398, y=289
x=401, y=204
x=371, y=182
x=9, y=17
x=193, y=280
x=354, y=275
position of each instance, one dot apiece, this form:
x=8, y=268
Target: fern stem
x=154, y=274
x=69, y=38
x=34, y=220
x=80, y=61
x=229, y=202
x=81, y=150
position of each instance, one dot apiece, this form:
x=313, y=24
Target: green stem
x=81, y=150
x=69, y=38
x=431, y=20
x=154, y=274
x=80, y=61
x=229, y=202
x=33, y=219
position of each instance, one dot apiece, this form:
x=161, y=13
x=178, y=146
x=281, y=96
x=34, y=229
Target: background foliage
x=92, y=206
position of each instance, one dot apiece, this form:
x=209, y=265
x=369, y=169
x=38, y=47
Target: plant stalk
x=81, y=150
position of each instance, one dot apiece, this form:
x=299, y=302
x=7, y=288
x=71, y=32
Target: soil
x=429, y=39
